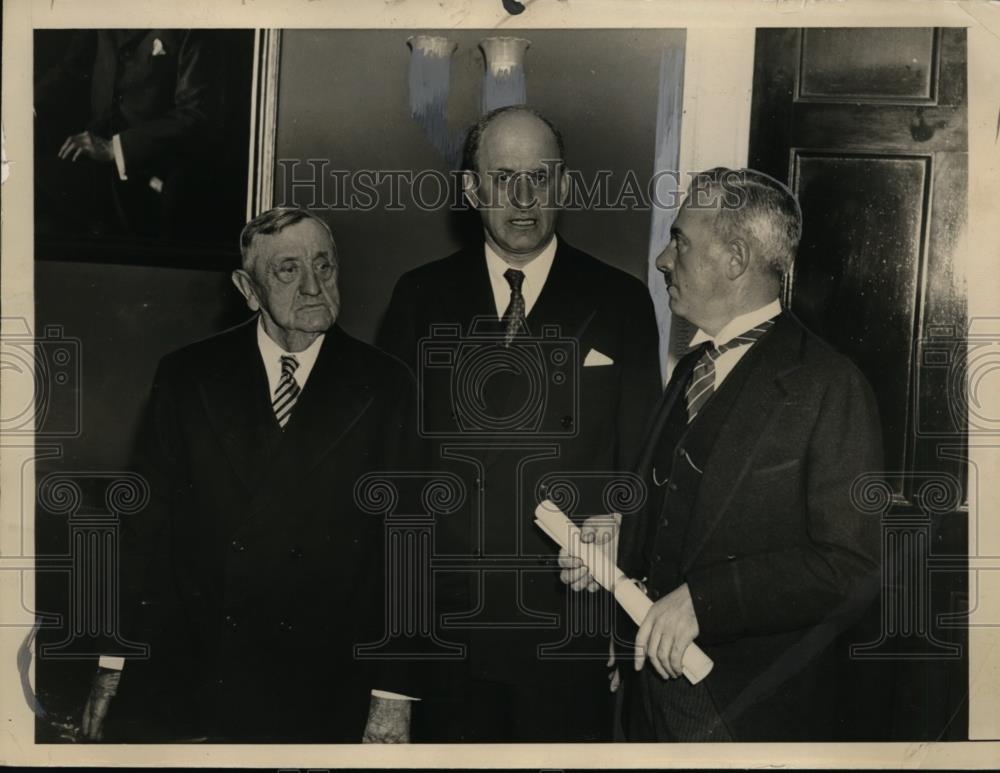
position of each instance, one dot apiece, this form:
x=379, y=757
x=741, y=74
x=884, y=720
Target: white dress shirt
x=736, y=326
x=116, y=148
x=271, y=353
x=535, y=274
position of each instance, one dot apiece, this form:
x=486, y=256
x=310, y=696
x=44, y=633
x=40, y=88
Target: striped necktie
x=703, y=378
x=513, y=318
x=287, y=392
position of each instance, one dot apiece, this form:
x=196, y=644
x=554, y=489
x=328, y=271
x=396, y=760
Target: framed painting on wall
x=143, y=143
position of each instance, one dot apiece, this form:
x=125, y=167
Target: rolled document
x=696, y=665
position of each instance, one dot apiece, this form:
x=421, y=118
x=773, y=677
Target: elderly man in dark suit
x=253, y=572
x=548, y=378
x=750, y=543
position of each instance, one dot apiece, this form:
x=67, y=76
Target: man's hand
x=92, y=146
x=668, y=630
x=600, y=529
x=102, y=690
x=388, y=721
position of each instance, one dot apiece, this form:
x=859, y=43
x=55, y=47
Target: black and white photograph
x=497, y=383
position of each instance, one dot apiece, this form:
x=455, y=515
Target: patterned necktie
x=287, y=392
x=703, y=379
x=513, y=318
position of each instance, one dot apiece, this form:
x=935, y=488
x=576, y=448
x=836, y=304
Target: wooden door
x=869, y=128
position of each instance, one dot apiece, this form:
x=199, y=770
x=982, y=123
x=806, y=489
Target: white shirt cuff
x=116, y=147
x=393, y=696
x=112, y=662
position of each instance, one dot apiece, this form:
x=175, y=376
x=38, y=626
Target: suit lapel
x=471, y=294
x=634, y=529
x=332, y=401
x=756, y=409
x=235, y=395
x=673, y=393
x=564, y=302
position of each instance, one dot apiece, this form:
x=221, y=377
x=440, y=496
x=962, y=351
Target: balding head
x=513, y=121
x=514, y=178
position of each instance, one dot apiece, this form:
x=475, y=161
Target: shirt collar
x=739, y=325
x=272, y=353
x=535, y=272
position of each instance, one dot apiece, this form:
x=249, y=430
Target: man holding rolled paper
x=750, y=546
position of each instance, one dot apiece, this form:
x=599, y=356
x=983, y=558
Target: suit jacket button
x=231, y=622
x=295, y=552
x=284, y=626
x=237, y=546
x=566, y=422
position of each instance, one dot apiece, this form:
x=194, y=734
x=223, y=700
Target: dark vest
x=680, y=457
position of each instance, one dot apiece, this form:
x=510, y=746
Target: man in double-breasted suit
x=253, y=574
x=750, y=544
x=537, y=368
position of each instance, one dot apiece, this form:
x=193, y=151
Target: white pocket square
x=595, y=358
x=158, y=49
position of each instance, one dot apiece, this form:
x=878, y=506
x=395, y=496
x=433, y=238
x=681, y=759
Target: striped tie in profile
x=287, y=392
x=703, y=378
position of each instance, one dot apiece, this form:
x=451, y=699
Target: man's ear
x=563, y=189
x=245, y=284
x=470, y=187
x=739, y=258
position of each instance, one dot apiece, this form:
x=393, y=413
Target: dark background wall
x=125, y=319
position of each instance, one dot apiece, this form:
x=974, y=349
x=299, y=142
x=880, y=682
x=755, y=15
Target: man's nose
x=524, y=191
x=310, y=283
x=664, y=261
